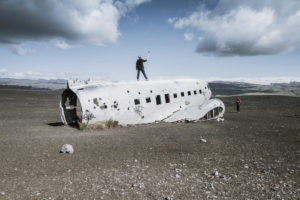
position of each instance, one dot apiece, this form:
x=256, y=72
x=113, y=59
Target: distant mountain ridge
x=217, y=87
x=33, y=84
x=236, y=88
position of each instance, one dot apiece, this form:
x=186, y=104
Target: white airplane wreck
x=139, y=102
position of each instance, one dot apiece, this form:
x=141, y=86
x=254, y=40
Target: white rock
x=203, y=140
x=215, y=173
x=66, y=148
x=220, y=119
x=246, y=166
x=2, y=193
x=178, y=170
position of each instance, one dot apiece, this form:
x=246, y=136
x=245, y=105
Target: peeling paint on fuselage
x=145, y=101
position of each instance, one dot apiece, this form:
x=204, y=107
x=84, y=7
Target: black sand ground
x=251, y=155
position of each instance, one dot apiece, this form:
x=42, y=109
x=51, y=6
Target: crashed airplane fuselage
x=139, y=102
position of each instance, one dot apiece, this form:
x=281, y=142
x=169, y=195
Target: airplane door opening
x=71, y=108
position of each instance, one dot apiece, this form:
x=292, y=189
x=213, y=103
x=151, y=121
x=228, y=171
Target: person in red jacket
x=238, y=103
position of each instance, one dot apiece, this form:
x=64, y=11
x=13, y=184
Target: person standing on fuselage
x=140, y=68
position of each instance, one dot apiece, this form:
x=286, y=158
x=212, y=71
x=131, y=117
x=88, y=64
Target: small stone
x=246, y=166
x=2, y=193
x=133, y=185
x=212, y=186
x=178, y=170
x=142, y=186
x=216, y=173
x=177, y=176
x=67, y=148
x=220, y=119
x=203, y=140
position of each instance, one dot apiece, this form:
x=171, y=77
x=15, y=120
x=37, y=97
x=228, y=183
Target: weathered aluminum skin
x=101, y=101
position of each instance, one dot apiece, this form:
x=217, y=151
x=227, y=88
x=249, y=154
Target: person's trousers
x=138, y=73
x=238, y=107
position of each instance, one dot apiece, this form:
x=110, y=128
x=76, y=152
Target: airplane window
x=200, y=92
x=189, y=93
x=148, y=100
x=175, y=95
x=195, y=92
x=182, y=94
x=167, y=98
x=158, y=100
x=136, y=101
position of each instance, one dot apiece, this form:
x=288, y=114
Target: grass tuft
x=99, y=125
x=83, y=126
x=111, y=123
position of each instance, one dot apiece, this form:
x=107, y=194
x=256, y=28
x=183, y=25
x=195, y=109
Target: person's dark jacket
x=139, y=64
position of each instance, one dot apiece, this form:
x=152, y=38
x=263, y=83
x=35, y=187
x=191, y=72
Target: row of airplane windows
x=167, y=97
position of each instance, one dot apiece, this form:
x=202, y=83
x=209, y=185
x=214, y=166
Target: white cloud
x=63, y=45
x=34, y=75
x=127, y=5
x=245, y=29
x=72, y=22
x=19, y=49
x=38, y=75
x=188, y=36
x=3, y=70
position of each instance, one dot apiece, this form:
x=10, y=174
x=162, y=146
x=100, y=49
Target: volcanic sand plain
x=254, y=154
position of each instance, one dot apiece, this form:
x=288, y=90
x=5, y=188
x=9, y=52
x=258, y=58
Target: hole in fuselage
x=71, y=108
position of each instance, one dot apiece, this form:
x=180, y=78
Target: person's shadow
x=56, y=124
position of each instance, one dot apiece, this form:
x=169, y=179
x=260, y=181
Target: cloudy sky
x=226, y=39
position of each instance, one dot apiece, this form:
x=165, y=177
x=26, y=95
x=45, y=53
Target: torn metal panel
x=139, y=102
